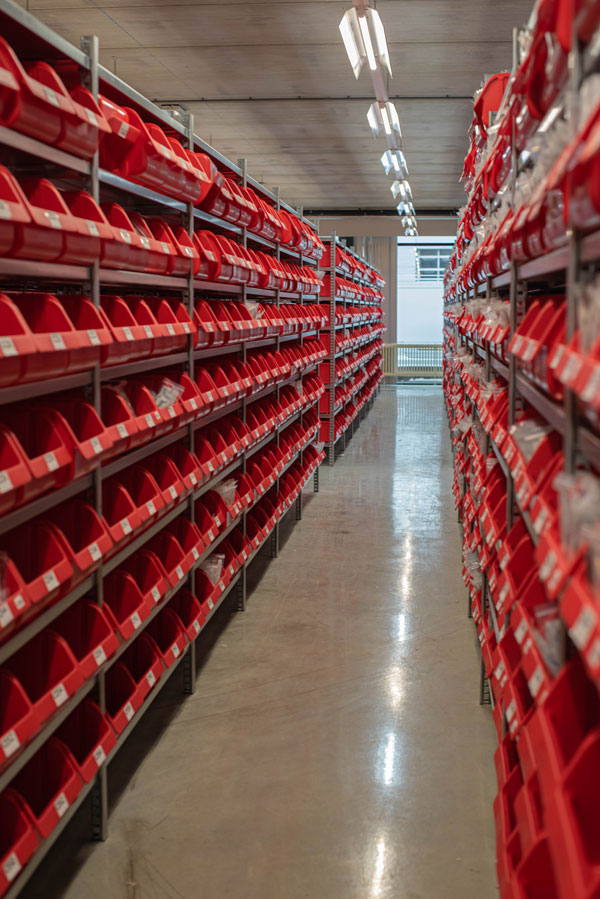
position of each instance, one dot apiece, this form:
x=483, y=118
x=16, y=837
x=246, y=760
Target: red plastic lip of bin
x=51, y=216
x=15, y=210
x=45, y=801
x=125, y=249
x=87, y=723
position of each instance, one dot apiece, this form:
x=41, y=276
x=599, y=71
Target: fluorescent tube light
x=383, y=117
x=364, y=40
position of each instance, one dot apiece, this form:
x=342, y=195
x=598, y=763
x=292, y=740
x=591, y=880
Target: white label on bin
x=581, y=630
x=129, y=712
x=196, y=626
x=93, y=335
x=126, y=526
x=590, y=389
x=151, y=507
x=96, y=445
x=149, y=420
x=172, y=412
x=6, y=615
x=50, y=95
x=521, y=631
x=121, y=430
x=211, y=604
x=151, y=678
x=503, y=594
x=5, y=211
x=61, y=804
x=157, y=415
x=179, y=572
x=95, y=551
x=535, y=681
x=593, y=654
x=195, y=554
x=186, y=327
x=123, y=129
x=155, y=594
x=547, y=565
x=99, y=756
x=221, y=586
x=173, y=492
x=211, y=536
x=499, y=671
x=127, y=333
x=193, y=403
x=511, y=710
x=165, y=247
x=145, y=242
x=540, y=520
x=188, y=251
x=7, y=346
x=10, y=743
x=11, y=867
x=92, y=228
x=19, y=602
x=57, y=341
x=135, y=620
x=148, y=331
x=99, y=656
x=50, y=580
x=6, y=483
x=175, y=650
x=125, y=234
x=170, y=329
x=193, y=479
x=91, y=116
x=554, y=579
x=53, y=219
x=59, y=695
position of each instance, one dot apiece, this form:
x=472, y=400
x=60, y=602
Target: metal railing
x=412, y=360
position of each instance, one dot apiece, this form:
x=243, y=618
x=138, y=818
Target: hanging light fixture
x=394, y=161
x=383, y=117
x=364, y=39
x=401, y=189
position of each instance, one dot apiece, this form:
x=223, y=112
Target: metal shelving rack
x=24, y=31
x=330, y=244
x=568, y=266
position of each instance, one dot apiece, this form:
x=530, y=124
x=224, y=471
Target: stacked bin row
x=160, y=392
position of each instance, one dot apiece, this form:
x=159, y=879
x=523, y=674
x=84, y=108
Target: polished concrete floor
x=335, y=748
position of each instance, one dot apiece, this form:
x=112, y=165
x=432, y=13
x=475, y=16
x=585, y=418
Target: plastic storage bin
x=18, y=840
x=48, y=784
x=88, y=738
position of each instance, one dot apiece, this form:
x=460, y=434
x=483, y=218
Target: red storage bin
x=169, y=635
x=120, y=514
x=16, y=208
x=123, y=696
x=15, y=476
x=166, y=547
x=84, y=432
x=57, y=346
x=88, y=738
x=190, y=540
x=189, y=611
x=141, y=151
x=130, y=339
x=216, y=507
x=206, y=455
x=17, y=343
x=149, y=574
x=209, y=330
x=49, y=456
x=48, y=785
x=54, y=234
x=205, y=591
x=174, y=328
x=181, y=261
x=150, y=420
x=187, y=464
x=124, y=603
x=85, y=536
x=39, y=555
x=254, y=533
x=210, y=256
x=168, y=478
x=143, y=661
x=125, y=250
x=207, y=526
x=212, y=397
x=89, y=636
x=160, y=256
x=48, y=672
x=121, y=420
x=40, y=106
x=18, y=840
x=19, y=720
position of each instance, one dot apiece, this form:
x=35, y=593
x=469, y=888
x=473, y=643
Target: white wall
x=419, y=313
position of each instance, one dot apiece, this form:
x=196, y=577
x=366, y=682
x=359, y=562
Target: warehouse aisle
x=334, y=748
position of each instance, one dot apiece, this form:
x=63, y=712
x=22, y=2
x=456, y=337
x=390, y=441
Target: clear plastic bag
x=528, y=435
x=549, y=633
x=226, y=490
x=254, y=308
x=168, y=394
x=579, y=507
x=213, y=567
x=588, y=314
x=297, y=385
